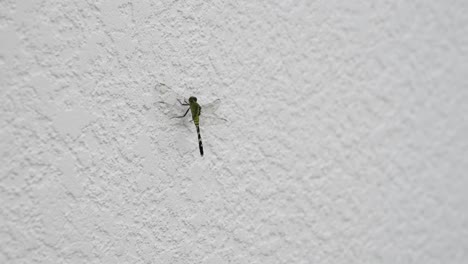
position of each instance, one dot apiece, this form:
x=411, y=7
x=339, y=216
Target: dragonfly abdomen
x=200, y=143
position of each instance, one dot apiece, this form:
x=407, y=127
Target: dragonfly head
x=192, y=99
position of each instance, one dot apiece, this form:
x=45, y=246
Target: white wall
x=346, y=143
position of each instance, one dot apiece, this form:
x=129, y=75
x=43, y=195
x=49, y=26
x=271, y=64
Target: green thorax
x=195, y=108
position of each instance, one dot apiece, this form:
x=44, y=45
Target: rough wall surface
x=346, y=142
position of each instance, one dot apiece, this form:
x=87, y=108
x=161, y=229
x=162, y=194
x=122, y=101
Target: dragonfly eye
x=192, y=99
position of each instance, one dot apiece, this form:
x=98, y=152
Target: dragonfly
x=174, y=103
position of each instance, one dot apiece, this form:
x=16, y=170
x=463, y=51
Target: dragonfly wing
x=170, y=102
x=209, y=116
x=166, y=94
x=211, y=108
x=212, y=120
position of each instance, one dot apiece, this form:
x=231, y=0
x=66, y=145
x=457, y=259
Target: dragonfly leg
x=183, y=115
x=185, y=102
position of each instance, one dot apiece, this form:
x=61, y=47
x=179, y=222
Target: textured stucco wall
x=346, y=143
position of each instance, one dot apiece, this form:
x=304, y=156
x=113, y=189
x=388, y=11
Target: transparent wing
x=212, y=120
x=170, y=102
x=211, y=107
x=209, y=116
